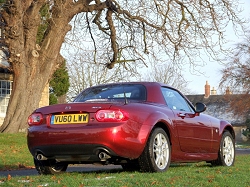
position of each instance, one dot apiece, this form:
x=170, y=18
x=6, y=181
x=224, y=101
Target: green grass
x=14, y=153
x=195, y=174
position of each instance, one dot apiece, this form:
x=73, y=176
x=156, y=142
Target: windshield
x=113, y=91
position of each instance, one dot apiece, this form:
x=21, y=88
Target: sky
x=197, y=81
x=211, y=71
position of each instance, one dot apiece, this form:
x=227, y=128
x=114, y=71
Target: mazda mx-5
x=139, y=125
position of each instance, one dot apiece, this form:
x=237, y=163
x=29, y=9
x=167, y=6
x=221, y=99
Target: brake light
x=35, y=119
x=111, y=116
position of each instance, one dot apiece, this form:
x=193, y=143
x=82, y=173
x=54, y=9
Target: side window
x=175, y=101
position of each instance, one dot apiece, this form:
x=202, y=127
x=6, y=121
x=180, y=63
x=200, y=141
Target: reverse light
x=35, y=119
x=111, y=116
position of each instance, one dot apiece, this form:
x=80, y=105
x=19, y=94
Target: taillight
x=35, y=119
x=111, y=116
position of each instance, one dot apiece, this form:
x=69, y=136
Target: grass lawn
x=14, y=154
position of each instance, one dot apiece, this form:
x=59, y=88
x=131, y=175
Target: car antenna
x=125, y=98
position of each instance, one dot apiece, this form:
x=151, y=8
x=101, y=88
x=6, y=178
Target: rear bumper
x=80, y=152
x=85, y=143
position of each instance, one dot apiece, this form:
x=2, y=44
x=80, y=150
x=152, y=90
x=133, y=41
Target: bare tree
x=236, y=77
x=84, y=73
x=128, y=30
x=168, y=74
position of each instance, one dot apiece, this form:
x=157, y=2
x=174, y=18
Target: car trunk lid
x=73, y=108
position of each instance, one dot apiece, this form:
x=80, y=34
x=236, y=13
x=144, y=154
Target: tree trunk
x=28, y=84
x=25, y=97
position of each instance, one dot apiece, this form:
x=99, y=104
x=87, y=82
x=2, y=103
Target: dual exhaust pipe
x=103, y=156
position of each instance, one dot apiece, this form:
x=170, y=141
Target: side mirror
x=200, y=107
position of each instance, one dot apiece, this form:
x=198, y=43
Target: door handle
x=182, y=115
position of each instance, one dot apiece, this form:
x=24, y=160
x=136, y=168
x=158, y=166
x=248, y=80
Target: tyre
x=226, y=155
x=47, y=167
x=156, y=156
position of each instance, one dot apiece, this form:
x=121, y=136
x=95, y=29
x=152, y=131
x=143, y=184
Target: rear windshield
x=113, y=92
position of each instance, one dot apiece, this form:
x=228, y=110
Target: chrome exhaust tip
x=103, y=156
x=41, y=157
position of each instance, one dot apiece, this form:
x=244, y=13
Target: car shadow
x=89, y=168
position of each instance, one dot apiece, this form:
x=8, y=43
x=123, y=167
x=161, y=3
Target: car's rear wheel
x=46, y=167
x=226, y=155
x=156, y=156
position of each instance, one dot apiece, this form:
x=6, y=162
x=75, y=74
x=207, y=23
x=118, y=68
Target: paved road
x=85, y=168
x=242, y=151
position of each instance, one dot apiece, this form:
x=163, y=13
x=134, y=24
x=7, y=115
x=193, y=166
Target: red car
x=141, y=126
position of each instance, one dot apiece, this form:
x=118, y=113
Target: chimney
x=228, y=92
x=207, y=90
x=213, y=92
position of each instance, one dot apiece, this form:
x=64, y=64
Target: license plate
x=69, y=119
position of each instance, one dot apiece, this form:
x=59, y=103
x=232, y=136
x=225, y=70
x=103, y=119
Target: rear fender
x=152, y=120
